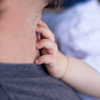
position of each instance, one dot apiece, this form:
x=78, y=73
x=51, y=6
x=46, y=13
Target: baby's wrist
x=65, y=66
x=65, y=75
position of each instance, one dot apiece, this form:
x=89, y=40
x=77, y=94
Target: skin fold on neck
x=18, y=38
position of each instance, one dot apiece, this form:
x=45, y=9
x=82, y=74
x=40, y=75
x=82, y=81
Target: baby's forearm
x=82, y=77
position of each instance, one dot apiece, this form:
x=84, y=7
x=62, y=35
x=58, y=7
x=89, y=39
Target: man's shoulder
x=29, y=81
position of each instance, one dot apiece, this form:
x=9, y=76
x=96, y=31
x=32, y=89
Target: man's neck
x=17, y=37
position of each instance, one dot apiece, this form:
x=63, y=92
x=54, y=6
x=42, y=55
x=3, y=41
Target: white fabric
x=77, y=33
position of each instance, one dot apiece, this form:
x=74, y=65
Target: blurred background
x=69, y=3
x=76, y=26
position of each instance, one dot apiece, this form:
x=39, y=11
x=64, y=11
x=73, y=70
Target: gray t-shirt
x=31, y=82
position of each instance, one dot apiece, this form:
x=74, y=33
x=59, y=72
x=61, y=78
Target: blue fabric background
x=69, y=3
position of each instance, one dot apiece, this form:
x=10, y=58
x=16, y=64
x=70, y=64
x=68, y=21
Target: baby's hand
x=55, y=62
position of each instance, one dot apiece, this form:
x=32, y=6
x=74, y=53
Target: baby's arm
x=70, y=70
x=82, y=77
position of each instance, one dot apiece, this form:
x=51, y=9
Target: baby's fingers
x=45, y=32
x=49, y=45
x=46, y=59
x=43, y=24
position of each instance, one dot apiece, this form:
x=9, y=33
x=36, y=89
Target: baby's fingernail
x=37, y=61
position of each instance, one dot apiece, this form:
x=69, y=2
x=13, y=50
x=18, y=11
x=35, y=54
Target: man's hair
x=55, y=4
